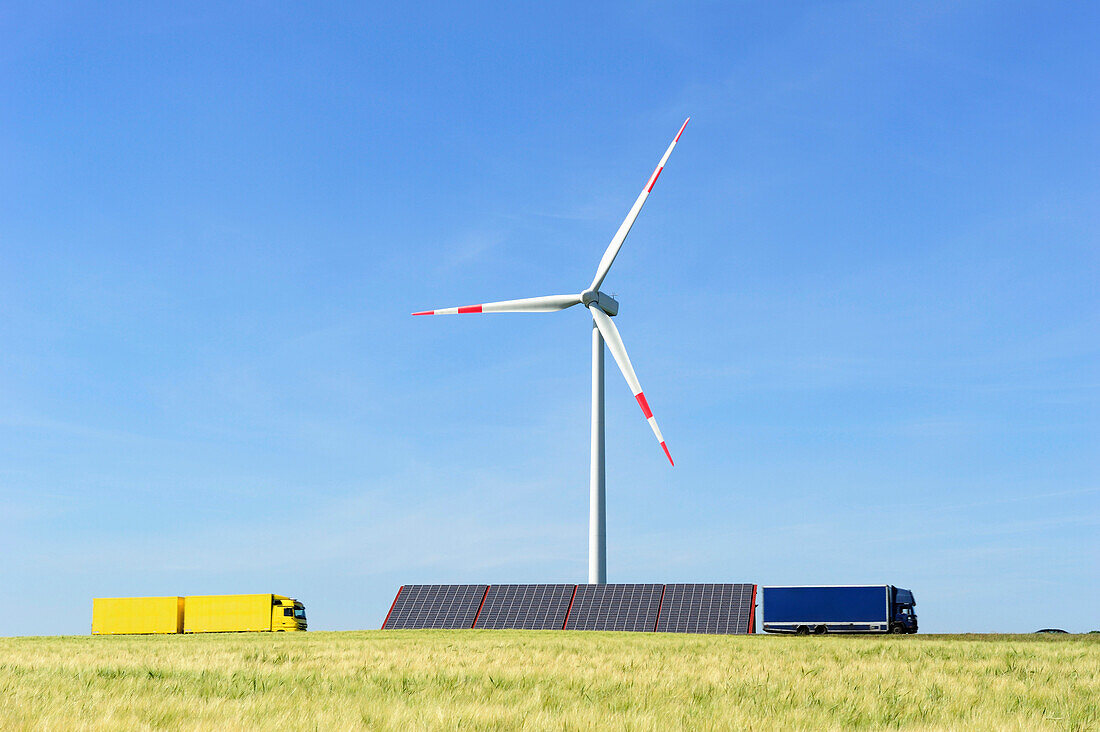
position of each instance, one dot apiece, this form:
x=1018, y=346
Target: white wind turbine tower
x=603, y=308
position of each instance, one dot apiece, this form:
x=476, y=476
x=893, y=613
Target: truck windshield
x=299, y=612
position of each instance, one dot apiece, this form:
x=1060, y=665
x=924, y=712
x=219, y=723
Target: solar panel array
x=706, y=608
x=435, y=606
x=678, y=608
x=538, y=607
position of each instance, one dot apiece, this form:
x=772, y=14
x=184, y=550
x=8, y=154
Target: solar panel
x=539, y=607
x=706, y=608
x=435, y=606
x=615, y=607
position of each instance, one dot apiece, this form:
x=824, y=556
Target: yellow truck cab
x=287, y=614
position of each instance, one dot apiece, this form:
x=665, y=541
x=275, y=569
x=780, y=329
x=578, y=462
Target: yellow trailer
x=125, y=615
x=236, y=613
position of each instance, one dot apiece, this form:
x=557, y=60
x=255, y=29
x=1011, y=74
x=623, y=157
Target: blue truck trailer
x=839, y=609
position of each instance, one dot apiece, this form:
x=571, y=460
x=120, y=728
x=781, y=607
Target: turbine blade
x=615, y=343
x=624, y=228
x=547, y=304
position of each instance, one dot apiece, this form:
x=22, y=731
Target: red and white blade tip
x=661, y=165
x=648, y=414
x=452, y=311
x=685, y=124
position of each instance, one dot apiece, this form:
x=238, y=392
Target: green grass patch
x=549, y=680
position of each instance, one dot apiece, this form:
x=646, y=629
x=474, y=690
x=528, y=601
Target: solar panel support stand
x=597, y=516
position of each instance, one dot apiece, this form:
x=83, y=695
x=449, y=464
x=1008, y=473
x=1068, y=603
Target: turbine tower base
x=597, y=515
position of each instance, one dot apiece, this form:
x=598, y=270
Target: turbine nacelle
x=601, y=300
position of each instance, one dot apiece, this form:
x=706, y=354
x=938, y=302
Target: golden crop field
x=548, y=680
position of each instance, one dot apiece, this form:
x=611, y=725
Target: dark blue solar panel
x=435, y=606
x=539, y=607
x=706, y=608
x=615, y=607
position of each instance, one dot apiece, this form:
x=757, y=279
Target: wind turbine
x=603, y=308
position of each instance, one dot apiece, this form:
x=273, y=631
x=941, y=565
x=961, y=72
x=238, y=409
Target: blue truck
x=839, y=609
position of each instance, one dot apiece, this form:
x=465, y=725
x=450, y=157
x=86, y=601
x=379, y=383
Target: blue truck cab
x=824, y=609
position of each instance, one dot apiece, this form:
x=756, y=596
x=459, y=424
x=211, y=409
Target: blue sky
x=862, y=300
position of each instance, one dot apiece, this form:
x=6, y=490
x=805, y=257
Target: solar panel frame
x=717, y=609
x=435, y=606
x=531, y=607
x=627, y=607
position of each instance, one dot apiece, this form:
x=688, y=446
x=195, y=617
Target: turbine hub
x=601, y=300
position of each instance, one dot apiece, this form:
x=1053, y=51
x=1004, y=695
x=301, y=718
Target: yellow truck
x=196, y=614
